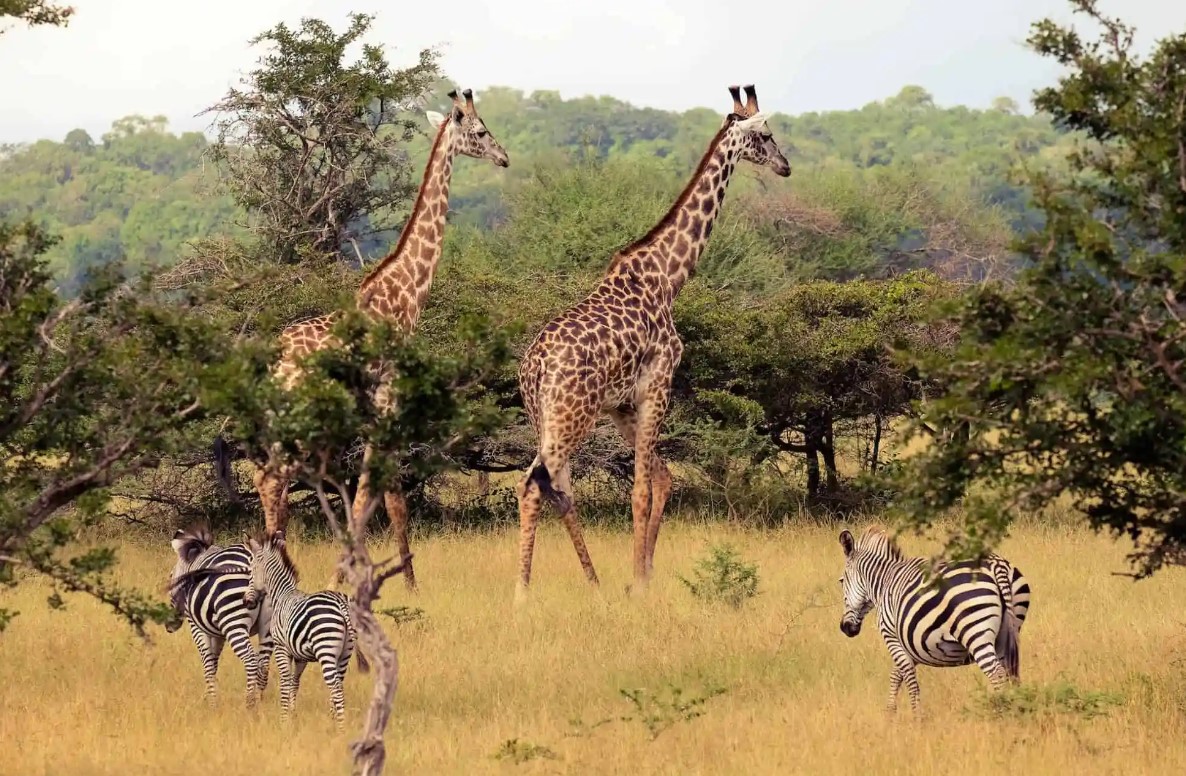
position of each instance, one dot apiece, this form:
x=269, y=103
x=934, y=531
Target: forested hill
x=141, y=192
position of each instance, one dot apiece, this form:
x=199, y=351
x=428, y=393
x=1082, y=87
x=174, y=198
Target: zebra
x=305, y=627
x=973, y=614
x=206, y=587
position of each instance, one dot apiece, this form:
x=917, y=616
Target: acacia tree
x=439, y=407
x=36, y=12
x=96, y=389
x=312, y=146
x=1074, y=381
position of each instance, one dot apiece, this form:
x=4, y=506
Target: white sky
x=170, y=57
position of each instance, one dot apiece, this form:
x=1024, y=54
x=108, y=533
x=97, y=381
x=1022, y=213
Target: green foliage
x=520, y=752
x=36, y=12
x=100, y=387
x=313, y=146
x=724, y=577
x=1060, y=698
x=1071, y=382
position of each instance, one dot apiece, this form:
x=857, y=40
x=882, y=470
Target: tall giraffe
x=615, y=351
x=396, y=290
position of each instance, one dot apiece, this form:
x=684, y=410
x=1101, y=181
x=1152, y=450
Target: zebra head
x=271, y=568
x=858, y=598
x=189, y=544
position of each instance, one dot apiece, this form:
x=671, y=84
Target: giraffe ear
x=434, y=118
x=753, y=122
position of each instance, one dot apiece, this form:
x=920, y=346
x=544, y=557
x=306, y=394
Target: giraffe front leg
x=397, y=510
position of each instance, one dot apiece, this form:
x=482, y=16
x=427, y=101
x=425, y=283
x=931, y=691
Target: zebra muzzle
x=850, y=628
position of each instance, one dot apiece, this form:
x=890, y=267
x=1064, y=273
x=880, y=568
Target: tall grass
x=488, y=689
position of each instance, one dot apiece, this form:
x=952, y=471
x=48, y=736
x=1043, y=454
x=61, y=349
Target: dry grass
x=82, y=696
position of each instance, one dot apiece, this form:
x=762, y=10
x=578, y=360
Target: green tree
x=313, y=143
x=36, y=12
x=1072, y=383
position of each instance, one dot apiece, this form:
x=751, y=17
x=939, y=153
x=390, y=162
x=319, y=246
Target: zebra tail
x=543, y=480
x=1008, y=644
x=360, y=659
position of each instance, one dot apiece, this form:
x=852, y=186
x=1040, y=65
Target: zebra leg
x=287, y=668
x=329, y=672
x=241, y=644
x=210, y=648
x=983, y=651
x=895, y=683
x=266, y=645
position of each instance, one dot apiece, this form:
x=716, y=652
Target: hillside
x=140, y=192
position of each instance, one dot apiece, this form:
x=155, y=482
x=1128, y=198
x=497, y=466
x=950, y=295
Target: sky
x=174, y=58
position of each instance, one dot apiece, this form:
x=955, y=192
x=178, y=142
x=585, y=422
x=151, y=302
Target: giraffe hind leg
x=573, y=523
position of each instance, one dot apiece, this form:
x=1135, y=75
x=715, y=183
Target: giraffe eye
x=482, y=133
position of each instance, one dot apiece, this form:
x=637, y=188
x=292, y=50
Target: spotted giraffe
x=615, y=351
x=396, y=290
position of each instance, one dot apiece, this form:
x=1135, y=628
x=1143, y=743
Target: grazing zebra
x=207, y=587
x=973, y=614
x=305, y=627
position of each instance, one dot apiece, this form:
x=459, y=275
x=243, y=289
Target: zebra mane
x=877, y=541
x=282, y=550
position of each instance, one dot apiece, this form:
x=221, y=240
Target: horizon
x=113, y=62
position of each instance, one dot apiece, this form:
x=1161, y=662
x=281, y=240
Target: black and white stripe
x=305, y=627
x=207, y=587
x=972, y=612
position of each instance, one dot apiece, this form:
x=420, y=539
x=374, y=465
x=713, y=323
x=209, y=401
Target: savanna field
x=1103, y=682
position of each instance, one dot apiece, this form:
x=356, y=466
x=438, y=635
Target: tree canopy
x=1070, y=383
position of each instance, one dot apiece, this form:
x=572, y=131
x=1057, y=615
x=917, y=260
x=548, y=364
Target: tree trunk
x=812, y=468
x=369, y=752
x=876, y=451
x=483, y=484
x=828, y=452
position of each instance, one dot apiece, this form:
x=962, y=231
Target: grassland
x=80, y=695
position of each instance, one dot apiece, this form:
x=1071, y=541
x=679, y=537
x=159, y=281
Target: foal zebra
x=207, y=587
x=305, y=627
x=973, y=612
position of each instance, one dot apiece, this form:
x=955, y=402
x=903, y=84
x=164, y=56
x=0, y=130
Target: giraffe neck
x=397, y=288
x=673, y=247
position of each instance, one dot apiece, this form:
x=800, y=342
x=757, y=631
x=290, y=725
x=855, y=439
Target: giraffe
x=396, y=290
x=615, y=351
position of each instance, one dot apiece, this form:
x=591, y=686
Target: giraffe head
x=757, y=142
x=467, y=133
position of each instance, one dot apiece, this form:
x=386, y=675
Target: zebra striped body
x=972, y=613
x=207, y=587
x=305, y=627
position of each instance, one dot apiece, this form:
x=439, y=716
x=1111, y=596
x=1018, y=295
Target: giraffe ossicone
x=614, y=353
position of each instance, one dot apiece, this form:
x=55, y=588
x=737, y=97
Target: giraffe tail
x=543, y=480
x=222, y=467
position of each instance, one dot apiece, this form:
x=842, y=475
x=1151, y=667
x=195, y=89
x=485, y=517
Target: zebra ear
x=846, y=541
x=278, y=539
